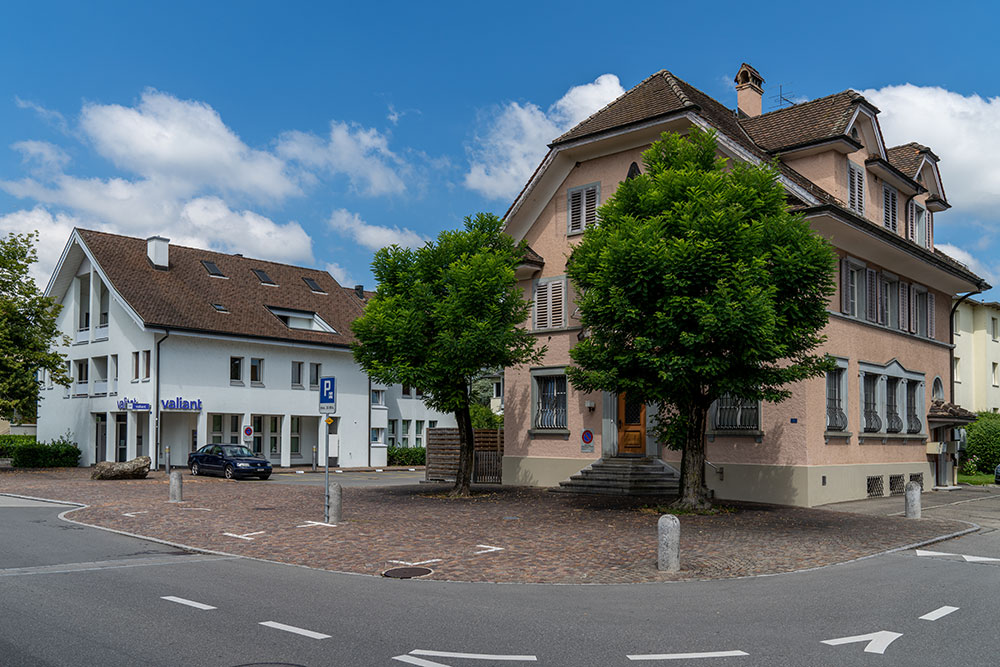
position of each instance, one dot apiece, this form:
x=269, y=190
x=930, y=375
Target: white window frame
x=539, y=375
x=318, y=367
x=259, y=382
x=586, y=199
x=232, y=380
x=146, y=365
x=995, y=326
x=297, y=366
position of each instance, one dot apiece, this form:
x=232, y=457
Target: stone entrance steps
x=621, y=476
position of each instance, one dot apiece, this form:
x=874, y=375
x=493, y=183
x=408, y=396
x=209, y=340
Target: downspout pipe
x=951, y=339
x=156, y=401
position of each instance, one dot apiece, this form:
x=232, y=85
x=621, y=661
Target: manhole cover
x=407, y=572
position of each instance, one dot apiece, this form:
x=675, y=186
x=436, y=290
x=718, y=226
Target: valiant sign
x=180, y=404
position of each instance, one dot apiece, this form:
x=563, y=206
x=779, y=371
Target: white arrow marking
x=921, y=552
x=315, y=523
x=292, y=628
x=423, y=562
x=245, y=536
x=938, y=613
x=474, y=656
x=189, y=603
x=486, y=549
x=979, y=559
x=878, y=642
x=132, y=514
x=686, y=656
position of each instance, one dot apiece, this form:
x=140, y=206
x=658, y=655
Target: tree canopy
x=28, y=331
x=444, y=312
x=696, y=283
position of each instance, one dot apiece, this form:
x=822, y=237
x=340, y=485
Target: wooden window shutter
x=557, y=303
x=859, y=186
x=911, y=221
x=880, y=300
x=845, y=287
x=590, y=206
x=904, y=306
x=889, y=207
x=852, y=200
x=871, y=295
x=931, y=316
x=542, y=306
x=929, y=237
x=575, y=211
x=913, y=310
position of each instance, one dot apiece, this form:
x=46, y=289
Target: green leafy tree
x=699, y=283
x=983, y=441
x=28, y=331
x=441, y=314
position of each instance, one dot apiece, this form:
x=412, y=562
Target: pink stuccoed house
x=883, y=418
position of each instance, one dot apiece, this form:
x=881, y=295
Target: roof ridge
x=605, y=107
x=855, y=95
x=674, y=84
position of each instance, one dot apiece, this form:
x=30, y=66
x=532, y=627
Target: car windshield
x=236, y=451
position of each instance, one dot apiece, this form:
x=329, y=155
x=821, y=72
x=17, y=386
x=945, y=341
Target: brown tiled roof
x=941, y=411
x=532, y=257
x=181, y=297
x=802, y=124
x=907, y=158
x=353, y=293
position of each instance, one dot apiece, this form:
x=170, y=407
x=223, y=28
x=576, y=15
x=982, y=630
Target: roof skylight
x=219, y=307
x=313, y=285
x=212, y=268
x=263, y=277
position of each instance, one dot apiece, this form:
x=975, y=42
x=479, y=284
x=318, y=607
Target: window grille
x=873, y=423
x=836, y=420
x=736, y=414
x=894, y=423
x=876, y=486
x=918, y=477
x=551, y=408
x=897, y=485
x=913, y=424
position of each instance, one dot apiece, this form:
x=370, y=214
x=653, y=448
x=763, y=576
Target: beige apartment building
x=976, y=358
x=881, y=419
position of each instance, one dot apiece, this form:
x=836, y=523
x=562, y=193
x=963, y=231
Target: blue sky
x=314, y=133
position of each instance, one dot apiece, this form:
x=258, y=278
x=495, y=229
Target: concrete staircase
x=624, y=476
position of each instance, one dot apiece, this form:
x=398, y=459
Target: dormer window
x=263, y=277
x=220, y=308
x=303, y=320
x=854, y=134
x=313, y=285
x=855, y=188
x=212, y=268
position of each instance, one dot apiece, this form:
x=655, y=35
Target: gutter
x=156, y=402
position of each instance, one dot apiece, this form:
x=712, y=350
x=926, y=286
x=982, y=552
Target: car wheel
x=194, y=469
x=264, y=477
x=230, y=473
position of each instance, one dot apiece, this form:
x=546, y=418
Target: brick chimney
x=158, y=252
x=749, y=90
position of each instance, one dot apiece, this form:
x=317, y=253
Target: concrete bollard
x=314, y=458
x=912, y=500
x=176, y=494
x=668, y=530
x=336, y=498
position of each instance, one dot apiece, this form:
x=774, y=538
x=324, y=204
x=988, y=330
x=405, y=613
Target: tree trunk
x=466, y=452
x=693, y=494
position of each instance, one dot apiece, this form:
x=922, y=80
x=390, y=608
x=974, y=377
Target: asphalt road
x=349, y=478
x=102, y=601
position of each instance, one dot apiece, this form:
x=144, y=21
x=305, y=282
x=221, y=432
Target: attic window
x=313, y=285
x=212, y=269
x=301, y=319
x=633, y=171
x=219, y=307
x=854, y=134
x=263, y=277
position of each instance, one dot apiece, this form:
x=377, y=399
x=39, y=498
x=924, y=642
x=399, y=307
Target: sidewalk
x=503, y=534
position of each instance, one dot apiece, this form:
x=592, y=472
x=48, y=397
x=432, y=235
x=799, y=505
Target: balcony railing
x=81, y=388
x=101, y=332
x=873, y=423
x=733, y=414
x=82, y=335
x=894, y=424
x=100, y=386
x=836, y=420
x=913, y=424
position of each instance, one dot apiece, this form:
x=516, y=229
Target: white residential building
x=975, y=363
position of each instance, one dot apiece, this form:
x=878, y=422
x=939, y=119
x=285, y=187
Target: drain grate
x=407, y=572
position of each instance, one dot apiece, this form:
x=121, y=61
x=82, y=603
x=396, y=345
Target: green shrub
x=31, y=455
x=983, y=441
x=483, y=417
x=406, y=456
x=8, y=443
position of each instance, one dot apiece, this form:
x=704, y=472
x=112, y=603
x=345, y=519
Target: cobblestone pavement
x=501, y=534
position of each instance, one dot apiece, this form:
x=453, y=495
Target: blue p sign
x=328, y=394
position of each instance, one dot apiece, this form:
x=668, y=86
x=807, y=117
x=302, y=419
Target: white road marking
x=921, y=552
x=315, y=523
x=474, y=656
x=245, y=536
x=423, y=562
x=132, y=514
x=419, y=662
x=293, y=629
x=378, y=470
x=686, y=656
x=196, y=509
x=979, y=559
x=190, y=603
x=878, y=642
x=412, y=469
x=338, y=471
x=487, y=549
x=938, y=613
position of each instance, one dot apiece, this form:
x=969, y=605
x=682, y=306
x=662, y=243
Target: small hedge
x=26, y=452
x=406, y=456
x=983, y=441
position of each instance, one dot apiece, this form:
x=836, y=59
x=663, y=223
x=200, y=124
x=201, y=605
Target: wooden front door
x=631, y=426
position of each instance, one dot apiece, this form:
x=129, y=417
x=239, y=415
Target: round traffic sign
x=248, y=431
x=588, y=437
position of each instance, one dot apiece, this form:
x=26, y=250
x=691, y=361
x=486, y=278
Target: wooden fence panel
x=443, y=452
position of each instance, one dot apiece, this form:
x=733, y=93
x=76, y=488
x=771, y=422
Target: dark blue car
x=231, y=461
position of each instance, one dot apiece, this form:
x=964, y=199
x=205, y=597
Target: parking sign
x=327, y=395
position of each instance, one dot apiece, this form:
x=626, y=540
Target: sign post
x=327, y=406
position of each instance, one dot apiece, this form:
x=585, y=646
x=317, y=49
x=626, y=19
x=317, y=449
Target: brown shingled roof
x=907, y=158
x=181, y=297
x=942, y=411
x=805, y=123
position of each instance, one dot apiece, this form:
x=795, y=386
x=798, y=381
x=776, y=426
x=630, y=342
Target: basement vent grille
x=876, y=486
x=897, y=484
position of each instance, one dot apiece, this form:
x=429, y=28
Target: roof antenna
x=782, y=98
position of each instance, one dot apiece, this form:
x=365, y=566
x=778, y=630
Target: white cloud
x=516, y=138
x=52, y=117
x=340, y=274
x=373, y=237
x=975, y=265
x=963, y=130
x=361, y=154
x=53, y=232
x=44, y=156
x=184, y=143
